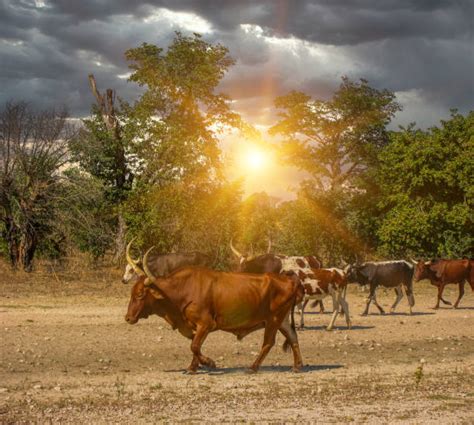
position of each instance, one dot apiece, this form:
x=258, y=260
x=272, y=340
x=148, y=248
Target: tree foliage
x=426, y=179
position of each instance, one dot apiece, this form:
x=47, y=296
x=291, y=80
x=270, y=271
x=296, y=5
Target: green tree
x=102, y=149
x=428, y=196
x=178, y=116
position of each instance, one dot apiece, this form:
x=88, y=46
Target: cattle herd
x=264, y=291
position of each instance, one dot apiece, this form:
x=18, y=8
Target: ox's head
x=143, y=297
x=422, y=269
x=353, y=274
x=134, y=269
x=245, y=259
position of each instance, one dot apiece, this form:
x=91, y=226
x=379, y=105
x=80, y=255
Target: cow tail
x=287, y=343
x=297, y=298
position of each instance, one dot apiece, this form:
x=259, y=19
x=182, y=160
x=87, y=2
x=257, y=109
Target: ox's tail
x=287, y=344
x=298, y=298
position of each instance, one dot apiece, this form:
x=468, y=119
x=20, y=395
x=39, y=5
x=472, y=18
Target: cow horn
x=269, y=245
x=414, y=261
x=237, y=253
x=133, y=263
x=148, y=273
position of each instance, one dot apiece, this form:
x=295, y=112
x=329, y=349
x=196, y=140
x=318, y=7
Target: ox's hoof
x=455, y=306
x=329, y=329
x=250, y=371
x=296, y=369
x=436, y=307
x=363, y=314
x=382, y=313
x=349, y=325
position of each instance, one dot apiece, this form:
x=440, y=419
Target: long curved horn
x=133, y=263
x=414, y=261
x=269, y=245
x=148, y=273
x=237, y=253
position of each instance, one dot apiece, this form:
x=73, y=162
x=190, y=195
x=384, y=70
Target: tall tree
x=335, y=140
x=174, y=129
x=179, y=114
x=33, y=150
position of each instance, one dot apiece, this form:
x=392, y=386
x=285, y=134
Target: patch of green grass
x=156, y=387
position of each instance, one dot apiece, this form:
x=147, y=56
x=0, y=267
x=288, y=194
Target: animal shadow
x=338, y=328
x=262, y=370
x=415, y=313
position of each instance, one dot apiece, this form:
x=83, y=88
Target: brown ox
x=444, y=272
x=320, y=283
x=197, y=301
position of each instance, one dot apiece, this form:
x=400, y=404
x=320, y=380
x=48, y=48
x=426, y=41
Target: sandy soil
x=67, y=356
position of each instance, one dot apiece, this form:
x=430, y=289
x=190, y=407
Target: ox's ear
x=157, y=294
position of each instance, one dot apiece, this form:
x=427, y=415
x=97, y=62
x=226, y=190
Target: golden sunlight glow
x=256, y=159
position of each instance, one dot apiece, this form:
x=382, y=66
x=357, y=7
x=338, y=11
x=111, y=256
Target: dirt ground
x=67, y=356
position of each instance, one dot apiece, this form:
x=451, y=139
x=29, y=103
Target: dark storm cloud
x=422, y=49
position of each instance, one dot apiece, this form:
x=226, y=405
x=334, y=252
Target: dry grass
x=68, y=356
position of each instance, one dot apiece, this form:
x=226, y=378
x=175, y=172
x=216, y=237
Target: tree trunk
x=11, y=236
x=27, y=250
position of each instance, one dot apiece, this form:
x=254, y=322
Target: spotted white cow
x=318, y=284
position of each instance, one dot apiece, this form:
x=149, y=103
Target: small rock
x=57, y=388
x=37, y=387
x=3, y=390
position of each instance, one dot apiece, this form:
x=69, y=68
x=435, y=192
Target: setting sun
x=256, y=159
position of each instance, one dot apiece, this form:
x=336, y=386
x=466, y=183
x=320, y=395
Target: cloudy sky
x=420, y=49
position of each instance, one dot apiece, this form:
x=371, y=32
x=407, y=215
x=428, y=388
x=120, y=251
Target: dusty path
x=68, y=356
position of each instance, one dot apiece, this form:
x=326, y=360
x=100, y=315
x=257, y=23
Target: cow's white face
x=129, y=276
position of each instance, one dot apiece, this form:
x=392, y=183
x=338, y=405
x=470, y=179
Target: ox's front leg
x=440, y=295
x=268, y=342
x=381, y=310
x=399, y=293
x=198, y=339
x=369, y=300
x=461, y=293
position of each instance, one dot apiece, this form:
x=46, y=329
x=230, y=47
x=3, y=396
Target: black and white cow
x=389, y=274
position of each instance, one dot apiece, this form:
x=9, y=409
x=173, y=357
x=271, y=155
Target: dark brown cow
x=444, y=272
x=197, y=301
x=162, y=265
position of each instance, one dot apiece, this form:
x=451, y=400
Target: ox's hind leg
x=198, y=358
x=399, y=293
x=336, y=298
x=345, y=309
x=301, y=307
x=292, y=338
x=461, y=293
x=410, y=296
x=268, y=342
